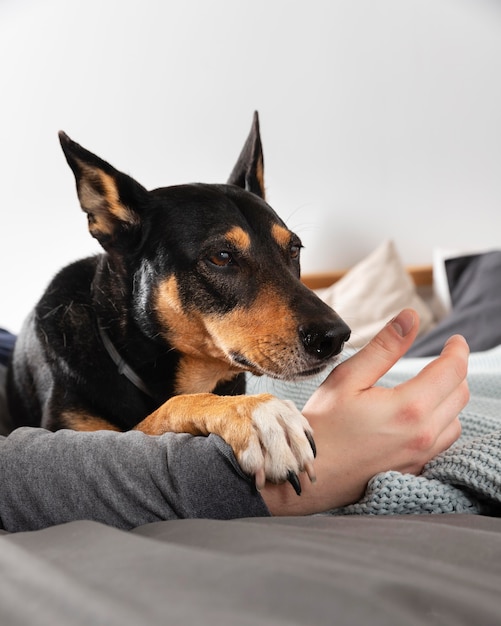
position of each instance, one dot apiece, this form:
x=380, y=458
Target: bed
x=413, y=550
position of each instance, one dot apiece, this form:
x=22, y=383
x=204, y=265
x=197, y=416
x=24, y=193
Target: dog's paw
x=281, y=445
x=270, y=438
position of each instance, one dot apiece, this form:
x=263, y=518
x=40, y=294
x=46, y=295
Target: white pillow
x=373, y=292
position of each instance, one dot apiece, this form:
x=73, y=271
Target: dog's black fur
x=197, y=284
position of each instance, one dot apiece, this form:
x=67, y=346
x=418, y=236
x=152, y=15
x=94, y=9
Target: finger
x=447, y=437
x=442, y=375
x=367, y=366
x=452, y=405
x=447, y=418
x=432, y=427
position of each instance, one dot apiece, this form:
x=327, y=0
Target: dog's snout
x=324, y=342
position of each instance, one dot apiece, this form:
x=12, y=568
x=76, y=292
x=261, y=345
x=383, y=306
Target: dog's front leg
x=270, y=438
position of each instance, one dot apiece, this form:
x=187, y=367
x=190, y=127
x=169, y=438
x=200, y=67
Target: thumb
x=366, y=367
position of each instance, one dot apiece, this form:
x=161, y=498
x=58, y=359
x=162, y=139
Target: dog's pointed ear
x=110, y=198
x=248, y=172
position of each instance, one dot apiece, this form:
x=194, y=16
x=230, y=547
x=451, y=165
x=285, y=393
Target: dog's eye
x=295, y=251
x=221, y=258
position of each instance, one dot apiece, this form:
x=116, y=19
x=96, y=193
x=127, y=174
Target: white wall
x=380, y=118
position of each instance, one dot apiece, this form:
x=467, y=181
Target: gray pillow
x=475, y=288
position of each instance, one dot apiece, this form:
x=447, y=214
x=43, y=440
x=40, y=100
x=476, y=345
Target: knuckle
x=423, y=441
x=412, y=413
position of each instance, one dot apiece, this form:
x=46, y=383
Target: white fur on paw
x=280, y=445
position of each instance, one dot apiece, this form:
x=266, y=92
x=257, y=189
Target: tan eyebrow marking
x=239, y=238
x=281, y=235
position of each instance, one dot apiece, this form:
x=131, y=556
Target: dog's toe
x=281, y=446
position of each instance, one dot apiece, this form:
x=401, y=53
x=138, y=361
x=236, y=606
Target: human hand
x=361, y=430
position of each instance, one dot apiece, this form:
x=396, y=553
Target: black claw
x=292, y=477
x=312, y=443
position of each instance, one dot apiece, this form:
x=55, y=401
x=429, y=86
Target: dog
x=197, y=284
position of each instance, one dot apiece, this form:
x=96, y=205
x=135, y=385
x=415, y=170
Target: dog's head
x=211, y=269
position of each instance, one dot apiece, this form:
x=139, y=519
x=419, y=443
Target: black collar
x=122, y=366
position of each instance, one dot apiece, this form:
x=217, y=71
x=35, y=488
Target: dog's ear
x=110, y=198
x=248, y=172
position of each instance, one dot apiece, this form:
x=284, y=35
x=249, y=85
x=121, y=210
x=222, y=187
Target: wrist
x=337, y=484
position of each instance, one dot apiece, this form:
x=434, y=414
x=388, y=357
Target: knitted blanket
x=466, y=478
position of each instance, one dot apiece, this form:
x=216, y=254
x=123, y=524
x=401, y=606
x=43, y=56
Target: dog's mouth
x=314, y=370
x=238, y=358
x=285, y=373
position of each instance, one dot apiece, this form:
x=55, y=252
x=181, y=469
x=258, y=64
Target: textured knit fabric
x=466, y=478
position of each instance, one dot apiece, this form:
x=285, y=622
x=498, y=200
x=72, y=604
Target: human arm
x=119, y=479
x=361, y=430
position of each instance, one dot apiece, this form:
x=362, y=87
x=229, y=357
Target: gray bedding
x=438, y=569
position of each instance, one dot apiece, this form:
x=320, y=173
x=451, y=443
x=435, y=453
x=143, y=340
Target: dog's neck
x=202, y=375
x=139, y=356
x=123, y=368
x=135, y=355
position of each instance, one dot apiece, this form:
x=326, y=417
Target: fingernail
x=403, y=322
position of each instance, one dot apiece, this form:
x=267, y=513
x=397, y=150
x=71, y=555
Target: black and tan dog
x=197, y=284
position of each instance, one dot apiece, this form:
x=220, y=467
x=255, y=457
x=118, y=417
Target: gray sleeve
x=120, y=479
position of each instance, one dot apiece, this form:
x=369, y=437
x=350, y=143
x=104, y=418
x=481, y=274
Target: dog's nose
x=324, y=342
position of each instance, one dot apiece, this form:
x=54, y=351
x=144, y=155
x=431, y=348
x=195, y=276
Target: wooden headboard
x=422, y=275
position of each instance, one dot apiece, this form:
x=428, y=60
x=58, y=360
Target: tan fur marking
x=93, y=204
x=185, y=331
x=230, y=417
x=203, y=363
x=116, y=207
x=281, y=235
x=266, y=334
x=104, y=207
x=239, y=238
x=202, y=375
x=81, y=421
x=260, y=176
